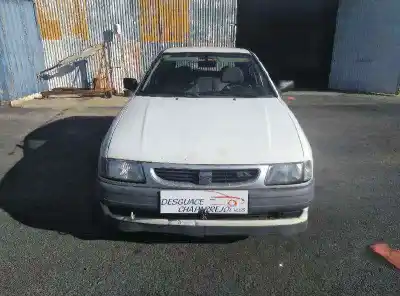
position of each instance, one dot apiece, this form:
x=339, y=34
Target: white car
x=206, y=146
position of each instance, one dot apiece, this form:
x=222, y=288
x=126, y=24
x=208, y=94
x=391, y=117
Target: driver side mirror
x=285, y=85
x=130, y=84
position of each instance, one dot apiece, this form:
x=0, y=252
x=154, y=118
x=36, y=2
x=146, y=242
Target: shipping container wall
x=147, y=26
x=21, y=51
x=366, y=56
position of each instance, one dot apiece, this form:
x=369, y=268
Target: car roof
x=206, y=49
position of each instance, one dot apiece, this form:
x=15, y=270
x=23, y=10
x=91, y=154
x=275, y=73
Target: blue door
x=366, y=55
x=21, y=50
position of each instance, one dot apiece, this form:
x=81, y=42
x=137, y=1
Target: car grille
x=155, y=214
x=216, y=176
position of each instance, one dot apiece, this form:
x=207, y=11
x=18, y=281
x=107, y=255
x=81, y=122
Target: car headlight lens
x=308, y=170
x=289, y=173
x=122, y=170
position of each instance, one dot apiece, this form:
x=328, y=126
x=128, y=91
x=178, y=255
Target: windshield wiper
x=240, y=94
x=213, y=93
x=191, y=94
x=246, y=95
x=166, y=94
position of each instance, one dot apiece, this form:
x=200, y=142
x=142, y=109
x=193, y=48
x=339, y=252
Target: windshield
x=207, y=75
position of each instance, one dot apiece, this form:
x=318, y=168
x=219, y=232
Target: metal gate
x=21, y=51
x=366, y=55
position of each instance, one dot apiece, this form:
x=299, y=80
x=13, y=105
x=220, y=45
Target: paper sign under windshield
x=195, y=201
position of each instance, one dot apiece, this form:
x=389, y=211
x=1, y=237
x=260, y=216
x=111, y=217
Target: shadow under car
x=53, y=186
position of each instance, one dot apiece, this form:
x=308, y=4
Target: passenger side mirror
x=285, y=85
x=131, y=84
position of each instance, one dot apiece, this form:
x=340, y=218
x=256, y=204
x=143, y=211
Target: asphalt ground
x=49, y=244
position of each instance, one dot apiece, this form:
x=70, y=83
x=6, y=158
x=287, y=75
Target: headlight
x=289, y=173
x=122, y=170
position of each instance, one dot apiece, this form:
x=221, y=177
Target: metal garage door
x=294, y=39
x=366, y=56
x=21, y=51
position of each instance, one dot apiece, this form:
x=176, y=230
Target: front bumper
x=141, y=205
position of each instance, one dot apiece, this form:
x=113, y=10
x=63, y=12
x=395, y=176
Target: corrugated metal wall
x=366, y=56
x=21, y=52
x=148, y=26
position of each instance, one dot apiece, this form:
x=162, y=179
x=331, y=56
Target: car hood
x=205, y=131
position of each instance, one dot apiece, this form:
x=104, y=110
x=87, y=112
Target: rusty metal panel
x=164, y=20
x=70, y=26
x=149, y=50
x=148, y=26
x=21, y=52
x=48, y=20
x=213, y=23
x=58, y=18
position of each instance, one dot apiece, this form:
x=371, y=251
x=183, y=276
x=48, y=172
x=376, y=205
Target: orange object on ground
x=393, y=256
x=291, y=98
